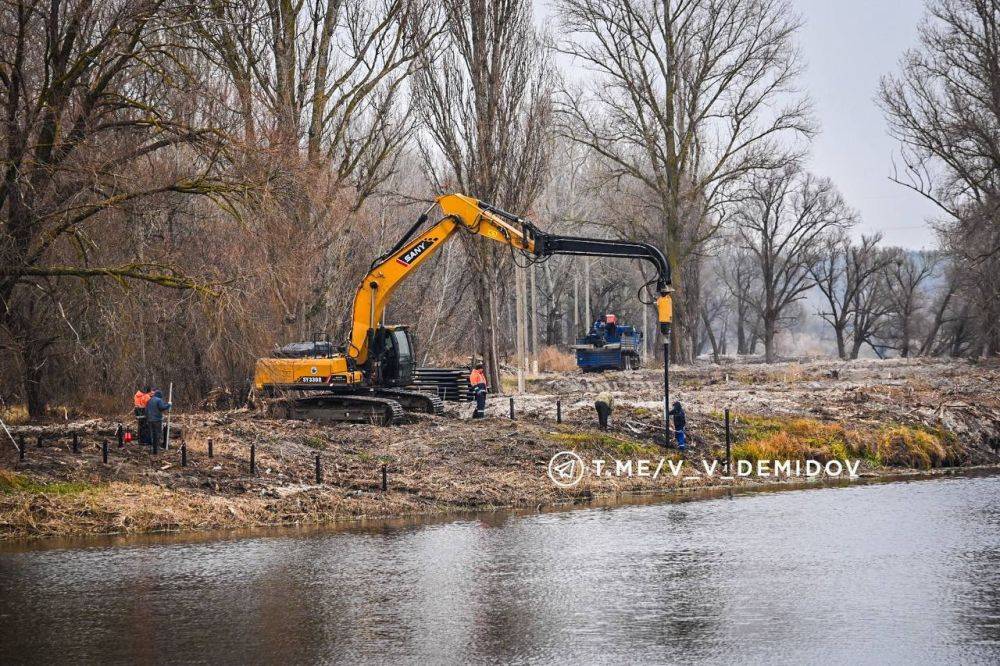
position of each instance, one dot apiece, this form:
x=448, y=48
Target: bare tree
x=845, y=274
x=93, y=102
x=944, y=107
x=780, y=218
x=323, y=76
x=716, y=306
x=684, y=98
x=318, y=89
x=484, y=98
x=950, y=284
x=979, y=276
x=564, y=206
x=905, y=277
x=738, y=271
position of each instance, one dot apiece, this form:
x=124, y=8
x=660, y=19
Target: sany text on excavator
x=365, y=381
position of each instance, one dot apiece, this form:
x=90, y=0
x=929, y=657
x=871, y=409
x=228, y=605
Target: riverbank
x=891, y=417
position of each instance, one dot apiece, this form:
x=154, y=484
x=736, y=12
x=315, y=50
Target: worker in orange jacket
x=140, y=399
x=477, y=379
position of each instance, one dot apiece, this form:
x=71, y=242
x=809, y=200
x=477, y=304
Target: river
x=886, y=573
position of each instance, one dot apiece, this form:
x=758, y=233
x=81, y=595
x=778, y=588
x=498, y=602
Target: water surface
x=892, y=573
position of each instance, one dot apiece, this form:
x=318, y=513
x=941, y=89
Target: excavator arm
x=462, y=213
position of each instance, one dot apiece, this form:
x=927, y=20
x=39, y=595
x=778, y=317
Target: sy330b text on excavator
x=366, y=380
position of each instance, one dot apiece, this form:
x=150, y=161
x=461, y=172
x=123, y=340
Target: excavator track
x=414, y=401
x=341, y=408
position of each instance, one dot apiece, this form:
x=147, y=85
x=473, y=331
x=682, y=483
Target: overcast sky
x=847, y=46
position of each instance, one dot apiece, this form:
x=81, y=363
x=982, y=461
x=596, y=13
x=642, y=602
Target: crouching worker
x=477, y=379
x=604, y=404
x=154, y=418
x=140, y=399
x=680, y=420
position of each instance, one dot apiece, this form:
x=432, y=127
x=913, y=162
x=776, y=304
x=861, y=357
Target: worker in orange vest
x=140, y=399
x=477, y=379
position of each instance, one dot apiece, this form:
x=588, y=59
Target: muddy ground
x=891, y=415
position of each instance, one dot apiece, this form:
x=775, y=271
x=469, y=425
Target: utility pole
x=170, y=399
x=576, y=305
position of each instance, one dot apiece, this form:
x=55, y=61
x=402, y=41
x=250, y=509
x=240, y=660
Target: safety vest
x=477, y=377
x=141, y=399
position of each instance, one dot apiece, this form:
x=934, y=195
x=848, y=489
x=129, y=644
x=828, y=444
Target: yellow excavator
x=365, y=381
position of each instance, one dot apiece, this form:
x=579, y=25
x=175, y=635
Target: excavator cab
x=393, y=360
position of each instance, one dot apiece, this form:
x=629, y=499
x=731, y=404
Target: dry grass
x=14, y=414
x=121, y=508
x=552, y=359
x=759, y=438
x=790, y=373
x=435, y=464
x=901, y=446
x=97, y=405
x=893, y=445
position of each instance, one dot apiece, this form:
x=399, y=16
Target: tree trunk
x=769, y=328
x=904, y=347
x=741, y=339
x=680, y=348
x=711, y=337
x=838, y=330
x=856, y=348
x=576, y=306
x=928, y=343
x=486, y=316
x=33, y=362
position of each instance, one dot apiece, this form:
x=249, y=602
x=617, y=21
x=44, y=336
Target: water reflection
x=890, y=573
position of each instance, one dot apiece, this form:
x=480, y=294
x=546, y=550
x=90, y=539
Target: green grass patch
x=617, y=445
x=12, y=482
x=315, y=442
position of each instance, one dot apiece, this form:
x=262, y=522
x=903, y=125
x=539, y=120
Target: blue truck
x=609, y=346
